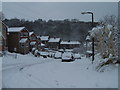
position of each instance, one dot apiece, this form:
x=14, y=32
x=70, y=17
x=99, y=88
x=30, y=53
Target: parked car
x=61, y=50
x=51, y=54
x=58, y=55
x=77, y=56
x=44, y=54
x=67, y=56
x=1, y=54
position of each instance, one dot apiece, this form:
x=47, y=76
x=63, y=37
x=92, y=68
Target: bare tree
x=109, y=19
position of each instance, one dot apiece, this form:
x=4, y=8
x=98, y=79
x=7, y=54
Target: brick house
x=18, y=40
x=69, y=44
x=54, y=43
x=3, y=36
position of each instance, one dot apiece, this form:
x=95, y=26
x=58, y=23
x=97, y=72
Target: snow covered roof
x=38, y=36
x=54, y=40
x=89, y=51
x=23, y=40
x=44, y=38
x=33, y=43
x=15, y=29
x=70, y=42
x=30, y=33
x=42, y=44
x=61, y=50
x=68, y=50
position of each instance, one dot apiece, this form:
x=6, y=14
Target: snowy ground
x=28, y=71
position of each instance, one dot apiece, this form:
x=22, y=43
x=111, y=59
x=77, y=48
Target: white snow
x=33, y=43
x=88, y=38
x=109, y=34
x=89, y=51
x=28, y=71
x=71, y=42
x=54, y=40
x=23, y=40
x=42, y=44
x=109, y=26
x=30, y=33
x=33, y=49
x=15, y=29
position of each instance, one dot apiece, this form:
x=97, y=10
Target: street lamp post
x=92, y=37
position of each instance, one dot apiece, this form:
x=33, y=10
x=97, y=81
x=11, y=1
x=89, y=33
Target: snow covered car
x=77, y=56
x=51, y=54
x=58, y=55
x=33, y=50
x=44, y=54
x=36, y=53
x=67, y=56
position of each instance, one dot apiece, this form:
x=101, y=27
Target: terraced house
x=69, y=44
x=54, y=43
x=18, y=40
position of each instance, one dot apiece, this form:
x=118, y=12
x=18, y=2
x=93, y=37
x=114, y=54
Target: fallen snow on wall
x=28, y=71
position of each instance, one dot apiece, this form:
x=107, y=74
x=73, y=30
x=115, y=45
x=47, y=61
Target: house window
x=32, y=38
x=22, y=45
x=24, y=34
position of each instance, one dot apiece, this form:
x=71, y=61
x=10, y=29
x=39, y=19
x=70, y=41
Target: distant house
x=35, y=41
x=54, y=43
x=3, y=36
x=44, y=39
x=69, y=44
x=18, y=40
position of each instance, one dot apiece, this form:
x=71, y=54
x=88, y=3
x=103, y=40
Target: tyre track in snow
x=17, y=68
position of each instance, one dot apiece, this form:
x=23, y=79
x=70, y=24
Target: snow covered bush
x=105, y=40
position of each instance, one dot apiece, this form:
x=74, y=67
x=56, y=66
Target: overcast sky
x=58, y=10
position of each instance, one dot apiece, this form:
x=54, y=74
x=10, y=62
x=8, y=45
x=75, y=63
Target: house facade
x=35, y=41
x=44, y=40
x=69, y=44
x=3, y=36
x=18, y=40
x=54, y=43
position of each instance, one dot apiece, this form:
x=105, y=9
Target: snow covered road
x=28, y=71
